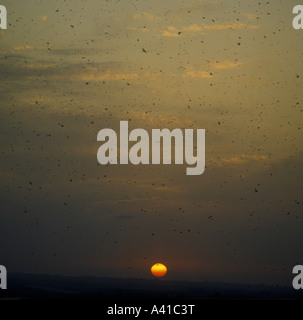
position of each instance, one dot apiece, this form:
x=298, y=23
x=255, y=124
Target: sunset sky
x=71, y=68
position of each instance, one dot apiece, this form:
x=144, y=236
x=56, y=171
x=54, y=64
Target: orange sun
x=158, y=270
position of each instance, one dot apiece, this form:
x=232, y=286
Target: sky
x=71, y=68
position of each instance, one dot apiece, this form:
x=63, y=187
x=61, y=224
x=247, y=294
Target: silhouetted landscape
x=56, y=286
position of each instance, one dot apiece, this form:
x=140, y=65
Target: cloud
x=172, y=31
x=28, y=47
x=13, y=66
x=227, y=64
x=198, y=74
x=108, y=76
x=144, y=16
x=38, y=65
x=144, y=29
x=249, y=16
x=173, y=189
x=240, y=159
x=89, y=77
x=33, y=99
x=193, y=28
x=131, y=28
x=159, y=120
x=169, y=34
x=229, y=26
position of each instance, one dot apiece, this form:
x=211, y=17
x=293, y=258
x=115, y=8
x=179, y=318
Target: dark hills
x=56, y=286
